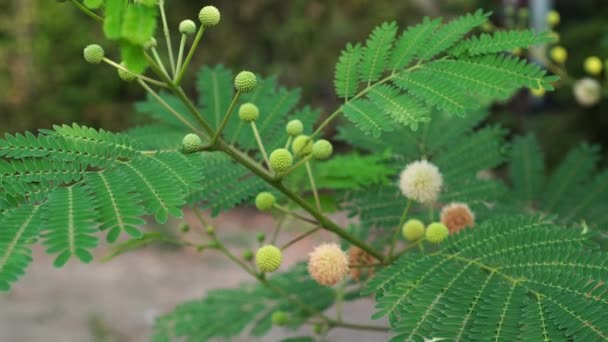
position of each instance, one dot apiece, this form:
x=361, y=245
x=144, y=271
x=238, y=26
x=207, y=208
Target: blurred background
x=45, y=81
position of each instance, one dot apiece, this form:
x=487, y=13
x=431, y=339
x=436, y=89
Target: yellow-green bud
x=245, y=81
x=593, y=65
x=151, y=43
x=260, y=237
x=264, y=201
x=209, y=16
x=558, y=54
x=248, y=255
x=125, y=75
x=93, y=54
x=268, y=258
x=322, y=149
x=191, y=143
x=280, y=318
x=210, y=230
x=413, y=230
x=294, y=128
x=436, y=232
x=280, y=160
x=302, y=145
x=538, y=92
x=187, y=27
x=553, y=18
x=249, y=112
x=184, y=227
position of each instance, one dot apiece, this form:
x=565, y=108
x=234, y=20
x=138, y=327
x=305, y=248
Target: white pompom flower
x=587, y=91
x=421, y=181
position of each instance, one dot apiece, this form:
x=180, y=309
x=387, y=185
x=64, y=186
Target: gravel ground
x=117, y=301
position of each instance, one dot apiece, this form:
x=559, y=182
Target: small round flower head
x=151, y=43
x=357, y=256
x=93, y=54
x=260, y=237
x=553, y=18
x=328, y=264
x=209, y=16
x=322, y=149
x=302, y=145
x=245, y=81
x=268, y=258
x=457, y=216
x=125, y=75
x=537, y=92
x=249, y=112
x=279, y=318
x=280, y=160
x=184, y=227
x=248, y=255
x=264, y=201
x=593, y=65
x=191, y=143
x=587, y=91
x=187, y=27
x=294, y=128
x=558, y=54
x=436, y=232
x=413, y=230
x=421, y=181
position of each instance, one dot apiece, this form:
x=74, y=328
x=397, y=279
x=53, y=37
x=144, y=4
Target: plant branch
x=87, y=11
x=300, y=237
x=396, y=233
x=313, y=185
x=180, y=54
x=291, y=213
x=218, y=134
x=141, y=77
x=161, y=5
x=258, y=139
x=193, y=47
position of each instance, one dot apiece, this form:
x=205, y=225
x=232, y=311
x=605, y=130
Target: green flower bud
x=209, y=16
x=93, y=54
x=191, y=143
x=187, y=27
x=322, y=149
x=151, y=43
x=245, y=81
x=248, y=255
x=318, y=328
x=249, y=112
x=125, y=75
x=301, y=145
x=280, y=318
x=413, y=230
x=210, y=230
x=268, y=258
x=264, y=201
x=280, y=160
x=294, y=128
x=260, y=237
x=184, y=227
x=436, y=232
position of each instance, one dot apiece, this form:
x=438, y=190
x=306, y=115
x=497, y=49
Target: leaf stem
x=87, y=11
x=298, y=216
x=142, y=77
x=300, y=237
x=398, y=229
x=193, y=47
x=180, y=54
x=161, y=5
x=218, y=134
x=258, y=139
x=296, y=166
x=313, y=185
x=159, y=61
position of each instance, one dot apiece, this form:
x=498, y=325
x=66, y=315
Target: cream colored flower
x=421, y=181
x=328, y=264
x=587, y=91
x=457, y=216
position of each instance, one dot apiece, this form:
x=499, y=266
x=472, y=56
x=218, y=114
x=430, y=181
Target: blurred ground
x=117, y=301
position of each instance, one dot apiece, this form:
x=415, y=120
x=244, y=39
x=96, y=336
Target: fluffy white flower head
x=587, y=91
x=421, y=181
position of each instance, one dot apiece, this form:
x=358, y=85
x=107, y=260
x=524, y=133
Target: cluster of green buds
x=415, y=230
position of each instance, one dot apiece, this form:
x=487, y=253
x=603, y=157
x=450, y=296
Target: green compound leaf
x=133, y=56
x=346, y=81
x=527, y=169
x=376, y=53
x=500, y=41
x=367, y=117
x=506, y=279
x=139, y=24
x=114, y=18
x=93, y=4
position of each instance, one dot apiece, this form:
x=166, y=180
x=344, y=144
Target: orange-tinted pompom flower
x=457, y=216
x=328, y=264
x=357, y=256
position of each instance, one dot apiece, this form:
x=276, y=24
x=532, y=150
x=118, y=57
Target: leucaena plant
x=446, y=248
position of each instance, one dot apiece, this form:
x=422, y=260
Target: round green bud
x=260, y=237
x=191, y=143
x=294, y=128
x=322, y=149
x=248, y=255
x=209, y=16
x=413, y=230
x=93, y=54
x=436, y=232
x=280, y=160
x=210, y=230
x=280, y=318
x=187, y=27
x=301, y=145
x=264, y=201
x=268, y=258
x=184, y=227
x=249, y=112
x=125, y=75
x=151, y=43
x=245, y=81
x=318, y=328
